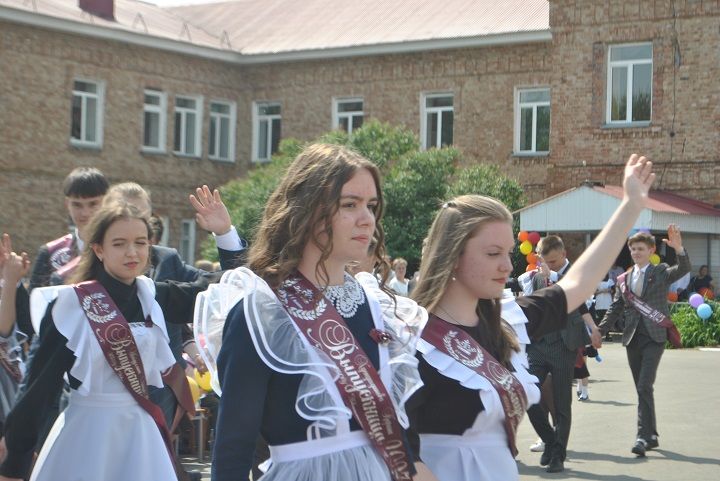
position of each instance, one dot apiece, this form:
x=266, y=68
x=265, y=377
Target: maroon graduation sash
x=650, y=312
x=60, y=251
x=8, y=364
x=113, y=333
x=459, y=345
x=359, y=383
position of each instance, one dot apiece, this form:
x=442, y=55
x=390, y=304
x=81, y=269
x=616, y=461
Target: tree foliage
x=415, y=184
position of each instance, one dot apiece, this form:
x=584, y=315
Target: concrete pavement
x=687, y=399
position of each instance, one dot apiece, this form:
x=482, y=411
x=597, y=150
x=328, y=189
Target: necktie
x=639, y=284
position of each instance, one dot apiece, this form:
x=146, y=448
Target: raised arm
x=674, y=240
x=14, y=268
x=580, y=282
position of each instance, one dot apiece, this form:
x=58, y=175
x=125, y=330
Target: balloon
x=706, y=292
x=704, y=311
x=672, y=296
x=522, y=236
x=526, y=248
x=531, y=267
x=654, y=259
x=534, y=238
x=194, y=389
x=203, y=380
x=531, y=258
x=695, y=300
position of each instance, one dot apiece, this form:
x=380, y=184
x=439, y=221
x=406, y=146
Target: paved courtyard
x=687, y=397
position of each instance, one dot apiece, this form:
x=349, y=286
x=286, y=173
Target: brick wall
x=39, y=67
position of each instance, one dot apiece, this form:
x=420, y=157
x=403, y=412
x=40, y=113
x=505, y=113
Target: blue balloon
x=704, y=311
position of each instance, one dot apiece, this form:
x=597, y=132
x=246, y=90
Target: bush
x=694, y=331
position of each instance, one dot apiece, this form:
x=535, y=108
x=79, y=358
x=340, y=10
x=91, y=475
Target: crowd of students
x=334, y=376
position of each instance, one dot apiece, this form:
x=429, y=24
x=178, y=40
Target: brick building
x=553, y=92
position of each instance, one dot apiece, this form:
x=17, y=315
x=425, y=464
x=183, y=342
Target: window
x=266, y=130
x=629, y=81
x=188, y=118
x=348, y=114
x=532, y=120
x=86, y=116
x=154, y=120
x=222, y=131
x=187, y=241
x=437, y=120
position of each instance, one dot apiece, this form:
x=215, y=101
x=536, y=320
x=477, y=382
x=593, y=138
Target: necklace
x=346, y=297
x=454, y=321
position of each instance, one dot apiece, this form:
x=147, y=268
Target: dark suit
x=555, y=353
x=42, y=272
x=645, y=340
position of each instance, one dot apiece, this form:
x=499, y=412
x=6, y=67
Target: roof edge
x=35, y=19
x=512, y=38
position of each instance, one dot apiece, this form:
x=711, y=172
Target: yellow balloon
x=194, y=389
x=203, y=380
x=526, y=248
x=654, y=259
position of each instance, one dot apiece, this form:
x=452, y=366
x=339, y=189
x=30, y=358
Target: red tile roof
x=662, y=201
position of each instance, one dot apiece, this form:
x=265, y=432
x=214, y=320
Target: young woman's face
x=125, y=249
x=400, y=271
x=703, y=271
x=484, y=266
x=353, y=224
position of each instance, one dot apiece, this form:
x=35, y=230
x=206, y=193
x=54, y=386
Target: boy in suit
x=645, y=286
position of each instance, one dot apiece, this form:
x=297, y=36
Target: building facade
x=559, y=93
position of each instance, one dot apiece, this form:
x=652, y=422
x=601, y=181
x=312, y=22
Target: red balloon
x=706, y=292
x=531, y=267
x=534, y=238
x=531, y=258
x=672, y=296
x=522, y=236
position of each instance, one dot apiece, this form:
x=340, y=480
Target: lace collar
x=346, y=297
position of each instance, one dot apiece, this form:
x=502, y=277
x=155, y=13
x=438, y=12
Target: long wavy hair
x=456, y=222
x=301, y=209
x=90, y=266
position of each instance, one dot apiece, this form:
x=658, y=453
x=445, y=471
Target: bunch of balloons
x=527, y=241
x=698, y=303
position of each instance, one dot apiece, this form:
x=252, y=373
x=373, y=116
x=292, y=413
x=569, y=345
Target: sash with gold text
x=359, y=383
x=456, y=343
x=113, y=333
x=650, y=312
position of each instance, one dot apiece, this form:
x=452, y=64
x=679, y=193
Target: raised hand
x=674, y=239
x=16, y=267
x=212, y=215
x=638, y=178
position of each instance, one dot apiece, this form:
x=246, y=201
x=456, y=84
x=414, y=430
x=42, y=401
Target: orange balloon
x=672, y=296
x=531, y=258
x=531, y=267
x=522, y=236
x=706, y=292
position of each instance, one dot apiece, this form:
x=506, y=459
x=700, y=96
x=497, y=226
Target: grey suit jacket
x=574, y=335
x=655, y=288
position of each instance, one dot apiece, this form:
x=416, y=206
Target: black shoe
x=546, y=456
x=639, y=448
x=556, y=465
x=652, y=443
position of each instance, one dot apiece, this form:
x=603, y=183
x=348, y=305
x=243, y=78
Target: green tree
x=415, y=184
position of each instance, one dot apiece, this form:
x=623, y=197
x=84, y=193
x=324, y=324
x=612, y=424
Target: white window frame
x=161, y=110
x=256, y=119
x=337, y=115
x=518, y=110
x=99, y=113
x=628, y=64
x=198, y=111
x=218, y=117
x=188, y=257
x=424, y=110
x=165, y=238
